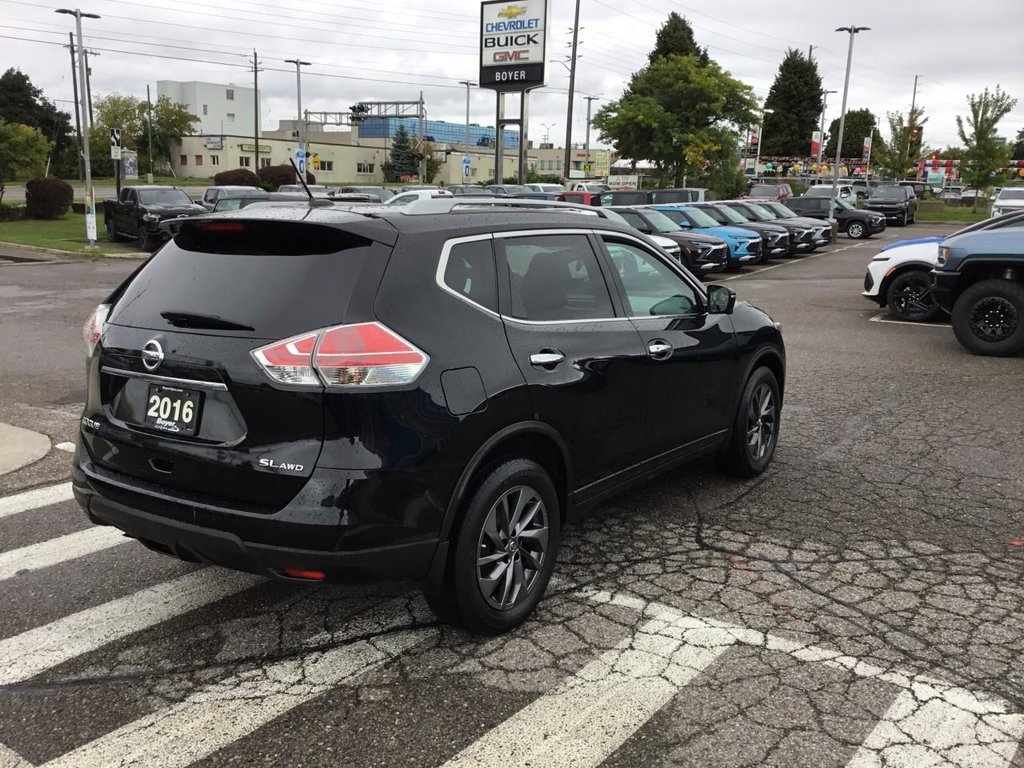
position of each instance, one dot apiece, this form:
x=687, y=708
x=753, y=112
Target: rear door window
x=555, y=278
x=279, y=279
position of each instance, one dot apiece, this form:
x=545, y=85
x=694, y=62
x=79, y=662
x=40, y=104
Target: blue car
x=744, y=245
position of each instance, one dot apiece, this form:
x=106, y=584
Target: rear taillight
x=344, y=356
x=93, y=328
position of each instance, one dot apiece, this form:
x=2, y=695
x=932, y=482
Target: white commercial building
x=221, y=109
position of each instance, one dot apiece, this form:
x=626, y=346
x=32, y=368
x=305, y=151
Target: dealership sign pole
x=513, y=46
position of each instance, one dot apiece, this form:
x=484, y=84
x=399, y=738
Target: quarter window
x=470, y=272
x=555, y=278
x=651, y=287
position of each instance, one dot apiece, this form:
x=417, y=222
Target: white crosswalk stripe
x=37, y=650
x=37, y=497
x=58, y=550
x=217, y=715
x=11, y=759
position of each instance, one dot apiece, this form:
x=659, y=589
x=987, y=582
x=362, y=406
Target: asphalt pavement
x=857, y=605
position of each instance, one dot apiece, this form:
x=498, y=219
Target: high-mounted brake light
x=222, y=226
x=343, y=357
x=93, y=328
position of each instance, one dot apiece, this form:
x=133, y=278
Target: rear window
x=278, y=278
x=1012, y=194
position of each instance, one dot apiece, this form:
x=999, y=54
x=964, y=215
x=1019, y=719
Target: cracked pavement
x=857, y=605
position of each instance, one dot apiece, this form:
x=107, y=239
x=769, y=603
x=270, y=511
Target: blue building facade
x=436, y=131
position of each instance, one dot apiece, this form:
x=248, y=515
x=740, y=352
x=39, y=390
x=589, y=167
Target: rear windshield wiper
x=196, y=320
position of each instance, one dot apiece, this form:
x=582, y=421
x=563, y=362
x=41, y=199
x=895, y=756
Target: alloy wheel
x=912, y=297
x=512, y=547
x=761, y=421
x=993, y=319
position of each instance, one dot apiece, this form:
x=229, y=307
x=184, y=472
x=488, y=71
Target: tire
x=988, y=318
x=910, y=297
x=112, y=235
x=902, y=220
x=145, y=241
x=476, y=593
x=856, y=230
x=743, y=457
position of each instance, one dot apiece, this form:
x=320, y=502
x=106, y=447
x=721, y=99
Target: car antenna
x=302, y=181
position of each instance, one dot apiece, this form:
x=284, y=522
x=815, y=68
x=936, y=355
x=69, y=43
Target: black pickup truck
x=137, y=213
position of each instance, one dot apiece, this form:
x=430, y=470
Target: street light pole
x=821, y=144
x=760, y=138
x=90, y=201
x=547, y=131
x=587, y=144
x=572, y=88
x=469, y=84
x=842, y=116
x=299, y=64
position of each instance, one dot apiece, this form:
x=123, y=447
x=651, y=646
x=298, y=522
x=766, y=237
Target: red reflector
x=301, y=573
x=222, y=226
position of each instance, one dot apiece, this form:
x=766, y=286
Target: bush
x=11, y=212
x=240, y=177
x=273, y=176
x=48, y=198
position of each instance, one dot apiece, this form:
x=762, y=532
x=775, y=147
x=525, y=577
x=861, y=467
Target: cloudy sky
x=380, y=50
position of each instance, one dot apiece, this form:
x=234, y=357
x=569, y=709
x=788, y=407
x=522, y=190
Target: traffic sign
x=300, y=161
x=467, y=167
x=115, y=143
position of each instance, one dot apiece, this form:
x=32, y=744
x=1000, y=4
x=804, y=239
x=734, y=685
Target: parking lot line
x=217, y=715
x=800, y=260
x=916, y=731
x=881, y=318
x=37, y=650
x=37, y=497
x=590, y=714
x=58, y=550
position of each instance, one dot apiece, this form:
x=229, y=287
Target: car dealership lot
x=859, y=604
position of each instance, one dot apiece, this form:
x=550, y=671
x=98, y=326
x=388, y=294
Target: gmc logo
x=501, y=57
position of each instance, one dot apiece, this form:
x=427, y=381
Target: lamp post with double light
x=852, y=31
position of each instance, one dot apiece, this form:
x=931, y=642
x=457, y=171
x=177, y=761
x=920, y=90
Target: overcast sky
x=380, y=50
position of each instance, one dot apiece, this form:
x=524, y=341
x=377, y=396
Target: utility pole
x=88, y=81
x=256, y=110
x=913, y=99
x=821, y=144
x=423, y=143
x=90, y=201
x=842, y=116
x=149, y=133
x=78, y=117
x=299, y=64
x=572, y=88
x=469, y=84
x=589, y=99
x=810, y=52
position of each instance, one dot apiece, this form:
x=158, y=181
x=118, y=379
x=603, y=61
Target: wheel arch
x=892, y=274
x=532, y=440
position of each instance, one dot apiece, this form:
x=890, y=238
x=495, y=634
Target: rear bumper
x=262, y=544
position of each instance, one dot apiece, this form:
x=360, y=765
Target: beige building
x=342, y=157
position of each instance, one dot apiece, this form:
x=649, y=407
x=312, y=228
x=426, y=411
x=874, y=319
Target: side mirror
x=721, y=300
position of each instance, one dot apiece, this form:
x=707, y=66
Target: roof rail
x=457, y=204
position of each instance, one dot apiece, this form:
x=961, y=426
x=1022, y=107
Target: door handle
x=546, y=358
x=659, y=349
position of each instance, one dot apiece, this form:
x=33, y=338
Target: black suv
x=321, y=394
x=852, y=221
x=895, y=203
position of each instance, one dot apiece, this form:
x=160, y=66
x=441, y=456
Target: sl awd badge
x=281, y=466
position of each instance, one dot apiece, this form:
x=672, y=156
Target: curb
x=73, y=254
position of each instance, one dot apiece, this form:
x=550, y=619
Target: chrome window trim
x=165, y=379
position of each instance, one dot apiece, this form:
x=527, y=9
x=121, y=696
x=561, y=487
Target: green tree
x=170, y=123
x=795, y=97
x=860, y=123
x=23, y=150
x=21, y=102
x=675, y=113
x=675, y=38
x=434, y=162
x=896, y=157
x=983, y=157
x=1018, y=146
x=401, y=160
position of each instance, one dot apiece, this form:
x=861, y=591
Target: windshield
x=516, y=188
x=1012, y=194
x=779, y=210
x=616, y=217
x=842, y=205
x=698, y=218
x=1015, y=219
x=729, y=214
x=163, y=197
x=660, y=222
x=757, y=213
x=764, y=190
x=887, y=193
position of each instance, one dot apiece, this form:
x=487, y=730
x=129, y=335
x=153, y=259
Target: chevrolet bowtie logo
x=511, y=11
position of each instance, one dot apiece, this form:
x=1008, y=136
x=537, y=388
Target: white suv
x=1008, y=200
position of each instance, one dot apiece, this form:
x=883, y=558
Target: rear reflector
x=222, y=226
x=300, y=573
x=344, y=356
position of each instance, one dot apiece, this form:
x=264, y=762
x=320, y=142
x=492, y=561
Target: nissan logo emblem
x=152, y=355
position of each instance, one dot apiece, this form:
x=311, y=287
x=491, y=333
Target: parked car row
x=975, y=275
